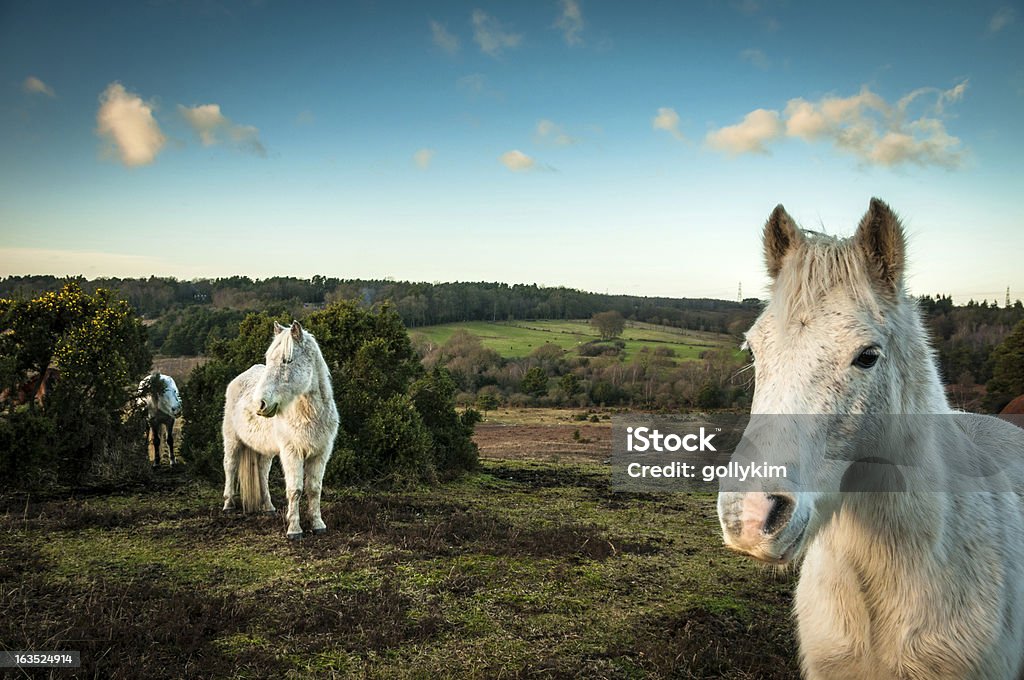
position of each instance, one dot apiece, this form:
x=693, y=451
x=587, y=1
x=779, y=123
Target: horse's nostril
x=263, y=405
x=779, y=515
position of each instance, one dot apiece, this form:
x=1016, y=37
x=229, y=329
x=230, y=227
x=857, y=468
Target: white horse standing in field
x=917, y=584
x=159, y=395
x=284, y=408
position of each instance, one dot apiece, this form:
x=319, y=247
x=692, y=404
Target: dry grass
x=177, y=367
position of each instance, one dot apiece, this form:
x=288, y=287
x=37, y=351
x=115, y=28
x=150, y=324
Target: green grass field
x=524, y=569
x=520, y=338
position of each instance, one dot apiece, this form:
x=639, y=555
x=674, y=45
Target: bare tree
x=609, y=324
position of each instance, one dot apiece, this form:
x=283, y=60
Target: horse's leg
x=291, y=464
x=170, y=439
x=314, y=485
x=266, y=505
x=232, y=452
x=154, y=427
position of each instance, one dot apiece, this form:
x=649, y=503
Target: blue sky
x=609, y=146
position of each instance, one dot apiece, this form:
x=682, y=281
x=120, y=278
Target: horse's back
x=1000, y=444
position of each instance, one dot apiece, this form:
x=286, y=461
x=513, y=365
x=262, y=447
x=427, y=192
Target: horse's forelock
x=819, y=265
x=283, y=345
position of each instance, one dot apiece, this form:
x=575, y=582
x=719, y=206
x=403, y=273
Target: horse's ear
x=278, y=328
x=880, y=237
x=296, y=331
x=780, y=236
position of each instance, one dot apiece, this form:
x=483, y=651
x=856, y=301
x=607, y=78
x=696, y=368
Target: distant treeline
x=418, y=304
x=965, y=335
x=185, y=316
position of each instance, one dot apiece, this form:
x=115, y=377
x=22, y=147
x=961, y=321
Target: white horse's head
x=839, y=338
x=170, y=400
x=291, y=369
x=159, y=393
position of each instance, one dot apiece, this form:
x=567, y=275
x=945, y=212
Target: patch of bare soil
x=575, y=443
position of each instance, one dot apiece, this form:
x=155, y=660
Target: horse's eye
x=867, y=358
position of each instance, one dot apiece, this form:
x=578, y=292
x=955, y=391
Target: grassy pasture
x=525, y=568
x=520, y=338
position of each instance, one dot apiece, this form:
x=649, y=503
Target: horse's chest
x=852, y=626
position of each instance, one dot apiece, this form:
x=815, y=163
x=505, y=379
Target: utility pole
x=739, y=293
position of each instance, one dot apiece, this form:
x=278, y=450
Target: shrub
x=394, y=446
x=535, y=382
x=28, y=451
x=709, y=396
x=451, y=432
x=603, y=392
x=99, y=348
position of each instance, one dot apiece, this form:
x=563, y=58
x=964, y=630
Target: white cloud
x=127, y=123
x=213, y=127
x=442, y=38
x=863, y=125
x=571, y=22
x=491, y=36
x=423, y=157
x=33, y=85
x=951, y=96
x=878, y=133
x=549, y=132
x=517, y=161
x=667, y=120
x=757, y=58
x=804, y=120
x=749, y=136
x=1003, y=17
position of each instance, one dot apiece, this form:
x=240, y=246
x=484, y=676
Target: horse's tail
x=249, y=480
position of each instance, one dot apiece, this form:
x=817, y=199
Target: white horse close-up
x=159, y=395
x=922, y=583
x=283, y=408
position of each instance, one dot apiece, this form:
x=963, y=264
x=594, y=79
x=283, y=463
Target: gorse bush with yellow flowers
x=95, y=349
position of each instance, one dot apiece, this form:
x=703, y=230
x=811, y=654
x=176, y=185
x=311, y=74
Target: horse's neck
x=922, y=390
x=322, y=379
x=320, y=394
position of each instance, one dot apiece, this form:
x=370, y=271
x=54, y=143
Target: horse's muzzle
x=761, y=525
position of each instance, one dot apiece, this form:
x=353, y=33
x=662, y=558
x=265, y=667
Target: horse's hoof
x=270, y=512
x=320, y=531
x=295, y=537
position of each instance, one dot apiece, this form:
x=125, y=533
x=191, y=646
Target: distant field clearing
x=520, y=338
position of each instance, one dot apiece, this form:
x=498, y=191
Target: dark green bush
x=28, y=456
